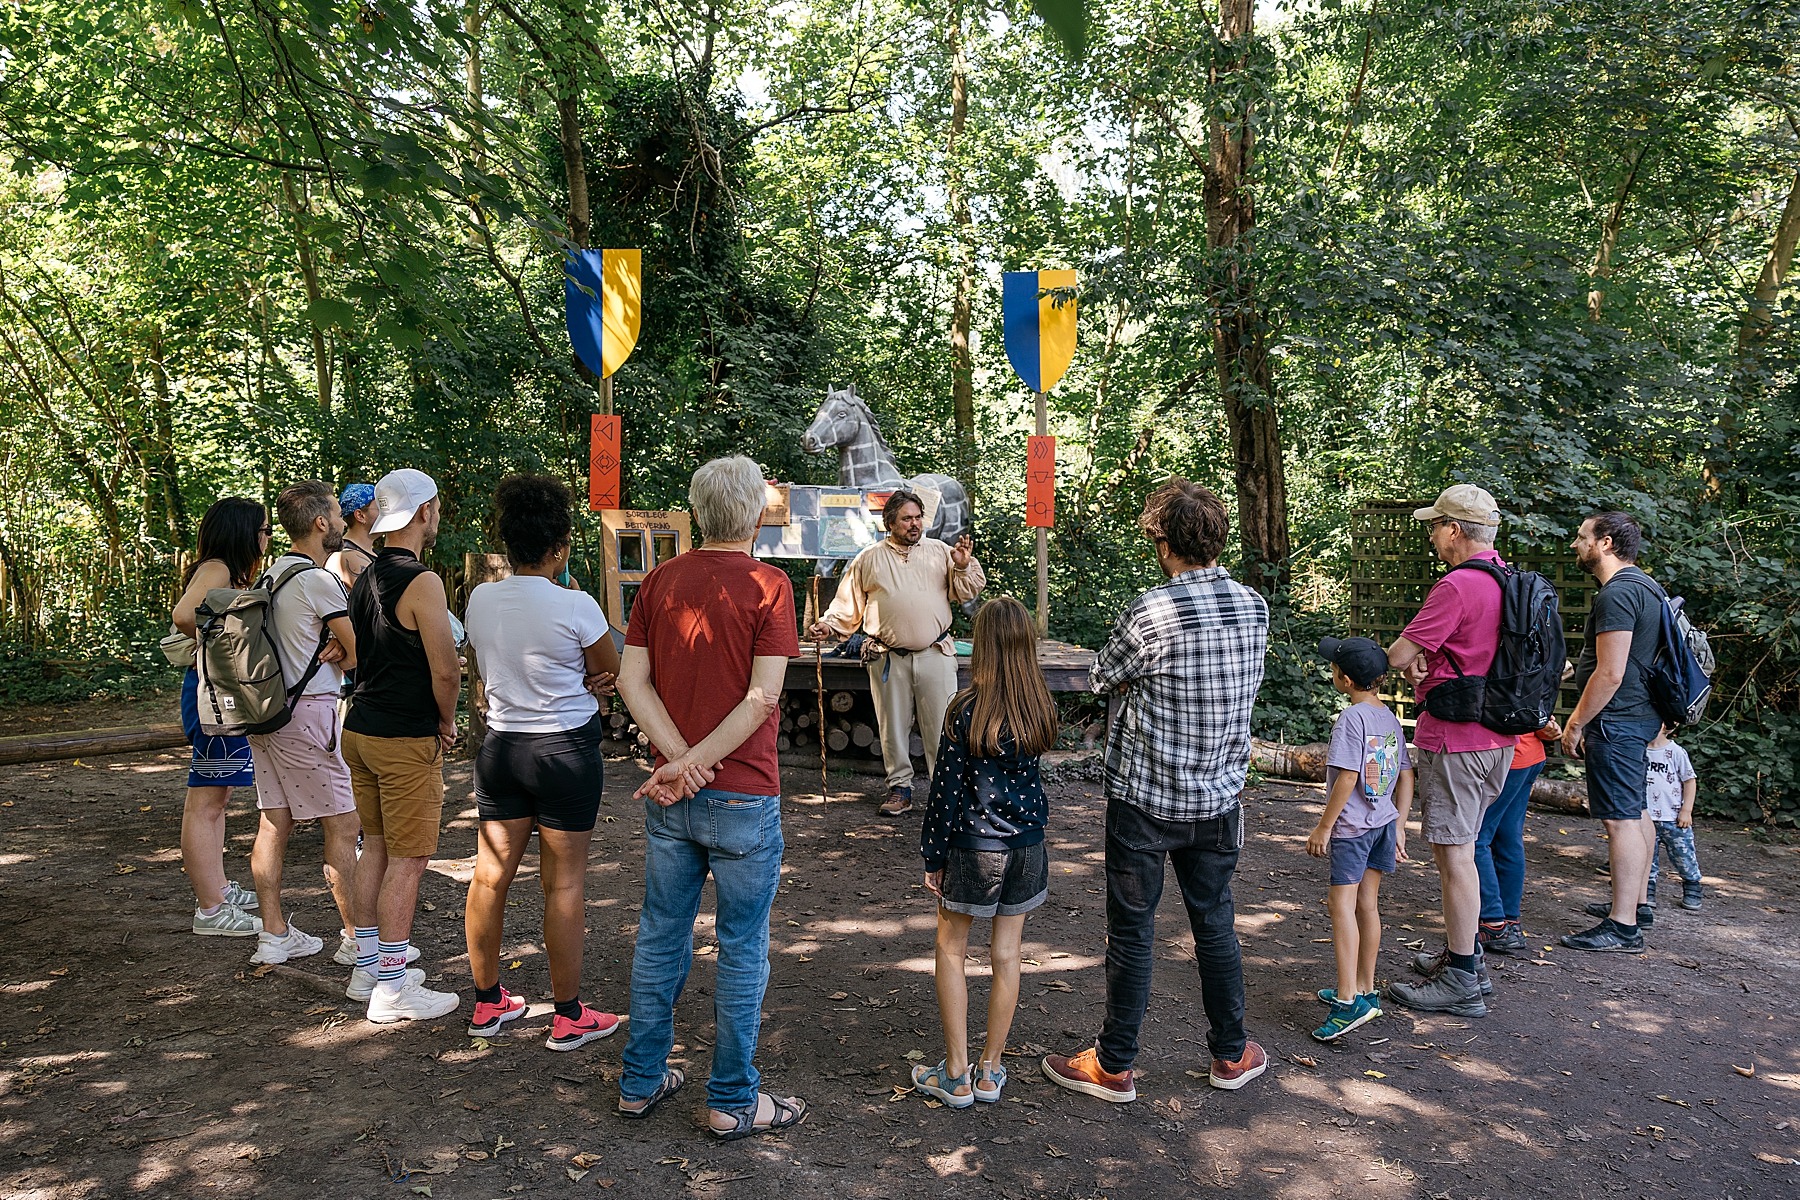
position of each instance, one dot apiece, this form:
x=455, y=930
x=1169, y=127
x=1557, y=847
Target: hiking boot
x=346, y=952
x=244, y=899
x=411, y=1002
x=295, y=943
x=1505, y=938
x=1451, y=990
x=489, y=1017
x=1429, y=965
x=593, y=1025
x=362, y=983
x=1232, y=1074
x=898, y=802
x=1345, y=1017
x=1646, y=916
x=1691, y=895
x=1604, y=938
x=229, y=921
x=1084, y=1074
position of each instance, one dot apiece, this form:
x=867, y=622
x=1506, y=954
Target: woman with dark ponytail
x=234, y=534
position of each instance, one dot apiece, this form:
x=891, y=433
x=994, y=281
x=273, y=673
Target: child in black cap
x=1369, y=790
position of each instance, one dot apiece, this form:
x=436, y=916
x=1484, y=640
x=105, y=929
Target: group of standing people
x=701, y=669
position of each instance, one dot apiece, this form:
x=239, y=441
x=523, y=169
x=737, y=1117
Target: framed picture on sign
x=664, y=546
x=631, y=551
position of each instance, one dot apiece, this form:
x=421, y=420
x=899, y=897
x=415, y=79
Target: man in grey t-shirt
x=1614, y=721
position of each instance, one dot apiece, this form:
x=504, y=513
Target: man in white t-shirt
x=301, y=774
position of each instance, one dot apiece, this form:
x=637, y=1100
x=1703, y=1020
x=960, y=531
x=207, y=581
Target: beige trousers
x=916, y=685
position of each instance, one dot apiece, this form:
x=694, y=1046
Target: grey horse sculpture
x=844, y=422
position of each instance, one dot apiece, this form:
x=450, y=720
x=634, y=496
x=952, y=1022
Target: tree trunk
x=163, y=505
x=472, y=72
x=1246, y=382
x=962, y=360
x=298, y=209
x=1600, y=270
x=568, y=129
x=1759, y=316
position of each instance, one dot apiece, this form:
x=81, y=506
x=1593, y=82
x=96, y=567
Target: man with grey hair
x=1446, y=651
x=898, y=592
x=706, y=652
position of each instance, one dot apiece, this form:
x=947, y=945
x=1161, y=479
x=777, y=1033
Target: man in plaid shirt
x=1186, y=658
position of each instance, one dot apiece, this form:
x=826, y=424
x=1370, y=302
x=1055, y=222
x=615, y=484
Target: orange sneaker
x=1084, y=1074
x=1234, y=1074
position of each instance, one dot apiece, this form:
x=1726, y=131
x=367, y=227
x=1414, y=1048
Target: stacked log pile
x=850, y=730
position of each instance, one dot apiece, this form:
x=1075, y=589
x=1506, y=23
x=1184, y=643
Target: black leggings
x=552, y=778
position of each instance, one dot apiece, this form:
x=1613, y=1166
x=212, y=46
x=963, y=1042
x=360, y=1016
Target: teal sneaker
x=1329, y=996
x=1344, y=1018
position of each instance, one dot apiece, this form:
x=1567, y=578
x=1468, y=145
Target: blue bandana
x=356, y=497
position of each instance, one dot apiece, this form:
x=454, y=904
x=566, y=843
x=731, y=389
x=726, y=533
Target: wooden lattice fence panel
x=1392, y=567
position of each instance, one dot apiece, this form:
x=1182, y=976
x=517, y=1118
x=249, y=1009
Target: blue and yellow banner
x=1037, y=311
x=603, y=299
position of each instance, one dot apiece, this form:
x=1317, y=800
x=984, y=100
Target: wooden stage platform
x=1065, y=669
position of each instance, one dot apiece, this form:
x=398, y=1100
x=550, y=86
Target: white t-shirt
x=1669, y=768
x=528, y=634
x=302, y=608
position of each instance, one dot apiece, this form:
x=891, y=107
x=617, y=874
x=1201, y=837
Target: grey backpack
x=239, y=663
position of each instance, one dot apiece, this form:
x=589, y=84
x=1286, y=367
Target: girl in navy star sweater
x=983, y=839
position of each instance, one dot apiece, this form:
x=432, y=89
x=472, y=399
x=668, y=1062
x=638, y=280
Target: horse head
x=839, y=421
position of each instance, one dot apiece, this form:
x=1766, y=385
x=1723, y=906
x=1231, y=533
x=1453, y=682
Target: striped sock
x=393, y=963
x=368, y=953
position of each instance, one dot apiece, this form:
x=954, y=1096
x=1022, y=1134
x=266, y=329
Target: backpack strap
x=313, y=664
x=1499, y=574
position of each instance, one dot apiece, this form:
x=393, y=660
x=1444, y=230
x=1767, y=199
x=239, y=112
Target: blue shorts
x=216, y=761
x=1370, y=851
x=1617, y=767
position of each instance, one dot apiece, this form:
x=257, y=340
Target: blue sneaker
x=1344, y=1018
x=1329, y=996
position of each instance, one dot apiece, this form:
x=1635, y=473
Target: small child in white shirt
x=1669, y=795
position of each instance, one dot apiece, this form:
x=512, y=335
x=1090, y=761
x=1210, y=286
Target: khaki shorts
x=298, y=766
x=1455, y=789
x=399, y=786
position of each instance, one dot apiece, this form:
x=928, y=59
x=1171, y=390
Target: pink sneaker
x=489, y=1017
x=594, y=1025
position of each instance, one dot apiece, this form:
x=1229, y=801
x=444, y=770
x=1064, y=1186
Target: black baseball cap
x=1362, y=660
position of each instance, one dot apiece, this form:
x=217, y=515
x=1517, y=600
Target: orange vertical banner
x=603, y=463
x=1040, y=481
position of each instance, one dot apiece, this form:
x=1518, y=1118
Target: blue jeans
x=737, y=838
x=1205, y=856
x=1500, y=847
x=1683, y=857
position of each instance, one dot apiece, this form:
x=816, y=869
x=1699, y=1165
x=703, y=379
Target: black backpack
x=1518, y=694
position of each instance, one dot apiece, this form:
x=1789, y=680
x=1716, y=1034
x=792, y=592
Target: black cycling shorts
x=552, y=778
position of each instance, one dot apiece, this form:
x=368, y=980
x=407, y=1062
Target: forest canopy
x=1330, y=253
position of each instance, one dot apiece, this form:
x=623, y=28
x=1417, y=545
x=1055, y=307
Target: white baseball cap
x=399, y=495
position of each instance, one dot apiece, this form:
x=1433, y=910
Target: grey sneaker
x=229, y=921
x=244, y=899
x=1449, y=991
x=362, y=983
x=1429, y=965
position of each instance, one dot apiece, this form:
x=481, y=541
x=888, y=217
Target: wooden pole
x=819, y=692
x=606, y=395
x=1043, y=539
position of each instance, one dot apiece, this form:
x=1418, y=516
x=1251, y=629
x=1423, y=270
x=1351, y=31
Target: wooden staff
x=819, y=689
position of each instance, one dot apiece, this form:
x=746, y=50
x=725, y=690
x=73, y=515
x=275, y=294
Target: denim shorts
x=1371, y=850
x=996, y=883
x=1617, y=768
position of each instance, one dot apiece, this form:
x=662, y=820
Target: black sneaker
x=1646, y=916
x=1604, y=938
x=1505, y=938
x=1690, y=895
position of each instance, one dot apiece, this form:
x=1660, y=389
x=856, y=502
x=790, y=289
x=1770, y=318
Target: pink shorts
x=299, y=767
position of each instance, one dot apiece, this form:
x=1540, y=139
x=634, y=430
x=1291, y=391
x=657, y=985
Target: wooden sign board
x=637, y=541
x=604, y=463
x=1040, y=482
x=829, y=522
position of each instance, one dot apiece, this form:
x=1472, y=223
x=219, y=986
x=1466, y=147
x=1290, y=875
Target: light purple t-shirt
x=1461, y=615
x=1366, y=739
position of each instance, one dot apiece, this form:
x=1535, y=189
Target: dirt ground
x=145, y=1060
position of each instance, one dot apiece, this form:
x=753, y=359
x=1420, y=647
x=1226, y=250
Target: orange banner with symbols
x=603, y=463
x=1040, y=481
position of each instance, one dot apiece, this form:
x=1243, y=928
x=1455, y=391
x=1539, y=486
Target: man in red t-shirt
x=1461, y=763
x=706, y=652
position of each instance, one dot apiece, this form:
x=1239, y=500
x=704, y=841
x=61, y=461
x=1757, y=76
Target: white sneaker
x=295, y=943
x=414, y=1002
x=362, y=983
x=229, y=921
x=346, y=952
x=244, y=899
